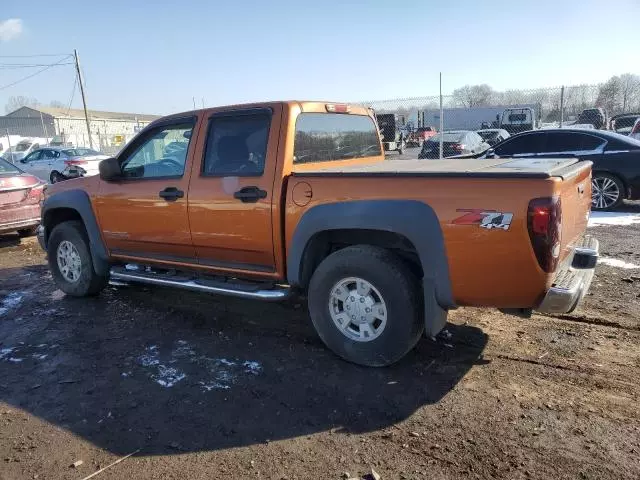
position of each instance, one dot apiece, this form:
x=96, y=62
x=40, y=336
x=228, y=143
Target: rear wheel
x=70, y=261
x=365, y=305
x=56, y=177
x=607, y=191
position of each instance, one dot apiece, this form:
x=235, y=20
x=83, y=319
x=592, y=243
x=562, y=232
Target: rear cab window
x=332, y=137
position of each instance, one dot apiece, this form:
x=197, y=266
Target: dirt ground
x=205, y=387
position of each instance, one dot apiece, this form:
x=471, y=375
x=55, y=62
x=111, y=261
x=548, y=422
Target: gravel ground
x=204, y=387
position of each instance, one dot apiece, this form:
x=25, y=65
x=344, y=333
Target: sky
x=155, y=57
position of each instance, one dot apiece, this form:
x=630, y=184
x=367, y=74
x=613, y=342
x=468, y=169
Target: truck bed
x=478, y=168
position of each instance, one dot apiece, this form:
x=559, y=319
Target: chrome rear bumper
x=573, y=279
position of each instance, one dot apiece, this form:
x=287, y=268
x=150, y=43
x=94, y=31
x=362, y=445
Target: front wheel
x=365, y=305
x=607, y=191
x=70, y=261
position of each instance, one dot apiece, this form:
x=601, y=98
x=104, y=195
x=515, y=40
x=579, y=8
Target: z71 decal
x=488, y=219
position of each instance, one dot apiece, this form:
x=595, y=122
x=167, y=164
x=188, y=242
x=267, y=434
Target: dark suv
x=615, y=157
x=595, y=116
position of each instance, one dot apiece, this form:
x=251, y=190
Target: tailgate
x=575, y=194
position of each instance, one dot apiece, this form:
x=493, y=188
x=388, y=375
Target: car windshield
x=448, y=137
x=7, y=168
x=488, y=134
x=22, y=147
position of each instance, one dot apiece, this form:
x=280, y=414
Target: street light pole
x=84, y=99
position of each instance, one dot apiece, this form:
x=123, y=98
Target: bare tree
x=57, y=104
x=629, y=91
x=16, y=102
x=473, y=95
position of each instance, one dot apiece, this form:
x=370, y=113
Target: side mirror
x=23, y=160
x=490, y=153
x=110, y=169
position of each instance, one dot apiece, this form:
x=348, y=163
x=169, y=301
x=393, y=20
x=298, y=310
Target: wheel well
x=622, y=180
x=55, y=217
x=323, y=244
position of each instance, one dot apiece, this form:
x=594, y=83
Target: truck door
x=144, y=215
x=231, y=193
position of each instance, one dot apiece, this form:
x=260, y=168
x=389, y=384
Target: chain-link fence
x=107, y=135
x=409, y=122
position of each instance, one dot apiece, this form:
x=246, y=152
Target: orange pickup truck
x=267, y=200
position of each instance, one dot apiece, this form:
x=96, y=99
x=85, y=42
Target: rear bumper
x=19, y=225
x=572, y=281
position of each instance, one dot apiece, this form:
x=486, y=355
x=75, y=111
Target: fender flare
x=412, y=219
x=79, y=201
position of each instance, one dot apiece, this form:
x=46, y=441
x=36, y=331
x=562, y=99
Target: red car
x=20, y=198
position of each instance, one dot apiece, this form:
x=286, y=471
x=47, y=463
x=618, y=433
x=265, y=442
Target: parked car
x=635, y=131
x=392, y=132
x=420, y=135
x=493, y=135
x=615, y=157
x=23, y=148
x=454, y=142
x=595, y=116
x=382, y=248
x=20, y=197
x=56, y=164
x=623, y=123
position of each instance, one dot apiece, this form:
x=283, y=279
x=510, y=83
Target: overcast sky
x=154, y=58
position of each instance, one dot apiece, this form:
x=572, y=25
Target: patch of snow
x=168, y=376
x=57, y=295
x=614, y=262
x=252, y=367
x=39, y=356
x=5, y=352
x=132, y=267
x=15, y=359
x=613, y=218
x=11, y=301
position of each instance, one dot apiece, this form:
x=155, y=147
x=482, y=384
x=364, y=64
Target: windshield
x=7, y=168
x=452, y=137
x=22, y=147
x=488, y=135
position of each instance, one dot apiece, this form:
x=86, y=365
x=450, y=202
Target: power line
x=9, y=66
x=35, y=56
x=73, y=92
x=33, y=74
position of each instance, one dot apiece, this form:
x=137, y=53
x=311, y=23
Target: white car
x=54, y=164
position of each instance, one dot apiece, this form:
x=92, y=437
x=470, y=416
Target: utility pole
x=441, y=118
x=84, y=99
x=561, y=106
x=9, y=145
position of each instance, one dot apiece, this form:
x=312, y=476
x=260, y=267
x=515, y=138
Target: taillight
x=458, y=147
x=544, y=222
x=337, y=108
x=36, y=193
x=75, y=162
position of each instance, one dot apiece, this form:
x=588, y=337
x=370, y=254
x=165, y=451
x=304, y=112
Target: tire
x=76, y=244
x=390, y=280
x=56, y=177
x=604, y=186
x=27, y=232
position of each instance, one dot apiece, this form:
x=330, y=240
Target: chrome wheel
x=69, y=262
x=357, y=309
x=605, y=192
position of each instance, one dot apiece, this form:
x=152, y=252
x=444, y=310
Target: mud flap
x=435, y=317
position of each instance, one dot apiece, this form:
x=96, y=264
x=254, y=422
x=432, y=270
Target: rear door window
x=568, y=142
x=529, y=144
x=237, y=143
x=323, y=137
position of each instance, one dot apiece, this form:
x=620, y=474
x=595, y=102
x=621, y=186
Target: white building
x=109, y=130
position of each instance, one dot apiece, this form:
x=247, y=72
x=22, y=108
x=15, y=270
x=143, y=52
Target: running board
x=275, y=294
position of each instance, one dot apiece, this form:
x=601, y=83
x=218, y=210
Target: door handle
x=250, y=194
x=171, y=194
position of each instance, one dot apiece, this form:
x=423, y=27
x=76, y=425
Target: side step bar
x=275, y=294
